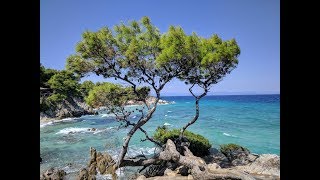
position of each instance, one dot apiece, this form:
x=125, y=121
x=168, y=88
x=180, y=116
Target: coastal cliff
x=71, y=107
x=76, y=107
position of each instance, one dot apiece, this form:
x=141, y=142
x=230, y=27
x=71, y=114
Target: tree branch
x=149, y=138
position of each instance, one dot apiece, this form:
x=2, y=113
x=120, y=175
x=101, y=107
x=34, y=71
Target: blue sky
x=255, y=24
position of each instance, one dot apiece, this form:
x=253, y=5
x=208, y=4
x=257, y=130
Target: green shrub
x=227, y=148
x=199, y=145
x=54, y=99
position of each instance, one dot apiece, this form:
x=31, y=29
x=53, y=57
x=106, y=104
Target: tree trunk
x=199, y=169
x=132, y=131
x=194, y=118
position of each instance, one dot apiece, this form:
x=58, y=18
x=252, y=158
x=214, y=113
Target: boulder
x=237, y=155
x=184, y=171
x=53, y=174
x=265, y=164
x=215, y=156
x=84, y=175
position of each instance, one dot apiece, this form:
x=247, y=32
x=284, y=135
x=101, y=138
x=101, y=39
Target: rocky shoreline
x=260, y=167
x=76, y=107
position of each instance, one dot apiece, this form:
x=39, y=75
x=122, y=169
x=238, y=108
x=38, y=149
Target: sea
x=252, y=121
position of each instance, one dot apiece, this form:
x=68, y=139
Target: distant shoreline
x=222, y=95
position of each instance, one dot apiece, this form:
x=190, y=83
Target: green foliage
x=76, y=64
x=53, y=99
x=45, y=75
x=85, y=87
x=199, y=145
x=65, y=83
x=227, y=148
x=202, y=61
x=107, y=94
x=44, y=104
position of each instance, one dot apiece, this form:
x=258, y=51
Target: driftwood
x=198, y=167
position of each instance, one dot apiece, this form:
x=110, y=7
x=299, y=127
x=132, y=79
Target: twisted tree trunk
x=137, y=126
x=195, y=118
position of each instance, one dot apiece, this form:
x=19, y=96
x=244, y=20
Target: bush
x=225, y=148
x=199, y=145
x=234, y=151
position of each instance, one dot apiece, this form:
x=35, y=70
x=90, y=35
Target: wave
x=102, y=130
x=52, y=122
x=134, y=151
x=82, y=130
x=167, y=124
x=226, y=134
x=46, y=124
x=166, y=115
x=72, y=130
x=169, y=111
x=104, y=115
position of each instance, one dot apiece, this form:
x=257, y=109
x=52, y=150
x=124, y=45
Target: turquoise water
x=252, y=121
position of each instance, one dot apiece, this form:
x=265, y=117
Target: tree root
x=199, y=168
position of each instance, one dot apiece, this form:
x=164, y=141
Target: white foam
x=68, y=119
x=166, y=115
x=73, y=130
x=169, y=111
x=134, y=151
x=105, y=177
x=167, y=124
x=46, y=124
x=102, y=130
x=226, y=134
x=105, y=115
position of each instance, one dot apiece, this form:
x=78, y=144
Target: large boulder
x=237, y=155
x=84, y=175
x=215, y=156
x=53, y=174
x=265, y=164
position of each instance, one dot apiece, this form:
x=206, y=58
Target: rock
x=53, y=174
x=215, y=156
x=184, y=171
x=92, y=168
x=265, y=164
x=141, y=177
x=213, y=166
x=83, y=174
x=71, y=107
x=40, y=159
x=93, y=129
x=237, y=155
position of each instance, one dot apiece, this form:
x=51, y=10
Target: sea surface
x=252, y=121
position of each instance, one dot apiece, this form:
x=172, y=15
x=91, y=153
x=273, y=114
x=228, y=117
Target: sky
x=255, y=24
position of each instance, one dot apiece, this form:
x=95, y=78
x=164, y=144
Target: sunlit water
x=252, y=121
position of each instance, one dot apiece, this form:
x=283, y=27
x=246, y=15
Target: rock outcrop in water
x=53, y=174
x=72, y=107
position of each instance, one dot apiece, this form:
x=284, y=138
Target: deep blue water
x=252, y=121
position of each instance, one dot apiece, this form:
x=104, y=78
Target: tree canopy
x=139, y=55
